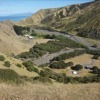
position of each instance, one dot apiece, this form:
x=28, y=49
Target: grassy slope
x=83, y=17
x=21, y=71
x=50, y=92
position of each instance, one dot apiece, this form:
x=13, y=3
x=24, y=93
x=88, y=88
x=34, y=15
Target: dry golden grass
x=50, y=92
x=82, y=59
x=11, y=43
x=96, y=63
x=93, y=41
x=21, y=71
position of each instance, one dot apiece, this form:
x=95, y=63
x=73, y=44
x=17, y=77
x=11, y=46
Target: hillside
x=11, y=43
x=50, y=92
x=74, y=18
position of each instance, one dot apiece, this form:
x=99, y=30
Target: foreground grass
x=50, y=92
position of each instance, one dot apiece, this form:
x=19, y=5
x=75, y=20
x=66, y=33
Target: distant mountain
x=78, y=18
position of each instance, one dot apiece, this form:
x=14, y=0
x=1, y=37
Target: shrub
x=19, y=65
x=69, y=63
x=52, y=47
x=50, y=36
x=9, y=75
x=21, y=30
x=93, y=52
x=33, y=33
x=68, y=55
x=2, y=58
x=95, y=57
x=7, y=63
x=44, y=74
x=42, y=79
x=77, y=67
x=58, y=65
x=29, y=66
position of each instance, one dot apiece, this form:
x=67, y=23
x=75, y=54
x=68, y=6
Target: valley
x=52, y=55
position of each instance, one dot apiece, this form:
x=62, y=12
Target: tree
x=95, y=57
x=7, y=63
x=2, y=58
x=77, y=67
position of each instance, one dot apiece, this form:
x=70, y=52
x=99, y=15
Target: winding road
x=47, y=57
x=72, y=37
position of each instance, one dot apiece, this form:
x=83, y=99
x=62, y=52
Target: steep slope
x=36, y=18
x=10, y=42
x=68, y=18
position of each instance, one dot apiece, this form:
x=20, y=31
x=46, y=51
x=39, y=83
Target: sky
x=9, y=7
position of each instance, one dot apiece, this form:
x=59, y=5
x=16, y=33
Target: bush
x=93, y=52
x=29, y=66
x=50, y=36
x=95, y=57
x=19, y=65
x=47, y=73
x=21, y=30
x=2, y=58
x=52, y=47
x=58, y=65
x=42, y=79
x=68, y=55
x=7, y=63
x=9, y=75
x=77, y=67
x=44, y=74
x=33, y=33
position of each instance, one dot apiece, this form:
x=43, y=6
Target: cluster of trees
x=65, y=79
x=94, y=52
x=95, y=70
x=49, y=36
x=68, y=55
x=33, y=53
x=21, y=30
x=51, y=47
x=77, y=67
x=57, y=45
x=60, y=65
x=33, y=33
x=95, y=57
x=29, y=66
